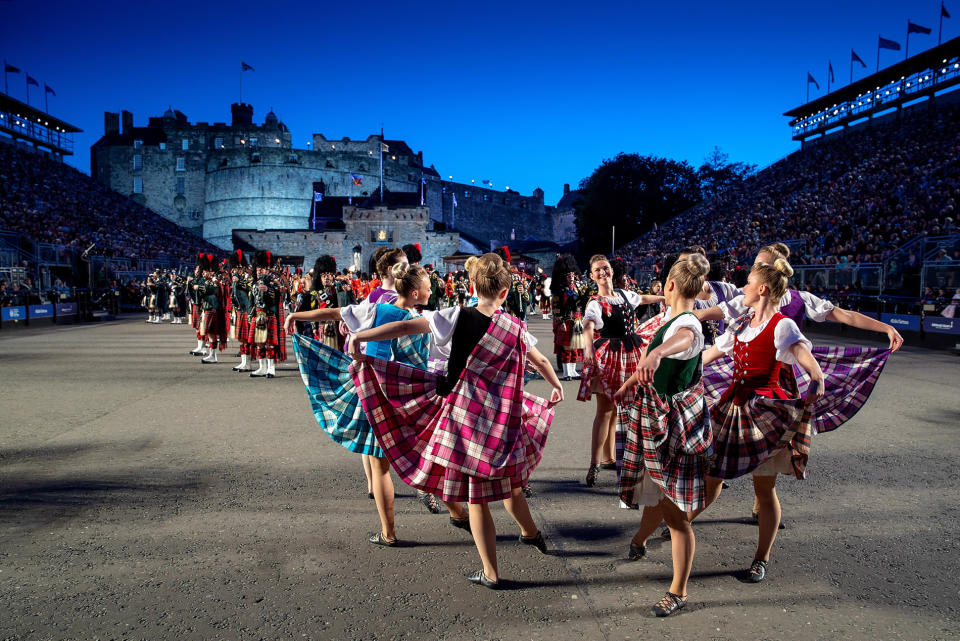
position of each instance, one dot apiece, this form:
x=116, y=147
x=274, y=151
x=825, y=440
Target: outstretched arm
x=860, y=321
x=711, y=354
x=650, y=299
x=395, y=329
x=714, y=313
x=325, y=314
x=543, y=366
x=676, y=344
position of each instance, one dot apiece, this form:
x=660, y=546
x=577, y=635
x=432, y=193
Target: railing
x=868, y=276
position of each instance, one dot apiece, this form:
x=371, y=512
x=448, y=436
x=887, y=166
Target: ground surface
x=146, y=496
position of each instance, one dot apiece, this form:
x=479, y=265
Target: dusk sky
x=524, y=94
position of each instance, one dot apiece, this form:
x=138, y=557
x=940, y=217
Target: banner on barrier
x=66, y=309
x=941, y=325
x=908, y=322
x=41, y=311
x=13, y=313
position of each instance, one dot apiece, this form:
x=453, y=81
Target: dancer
x=667, y=430
x=610, y=358
x=760, y=427
x=333, y=394
x=441, y=436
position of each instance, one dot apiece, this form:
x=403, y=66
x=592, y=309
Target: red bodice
x=756, y=370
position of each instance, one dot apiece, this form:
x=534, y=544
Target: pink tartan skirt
x=414, y=425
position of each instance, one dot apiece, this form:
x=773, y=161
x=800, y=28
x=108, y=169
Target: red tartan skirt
x=195, y=316
x=210, y=326
x=562, y=333
x=275, y=334
x=616, y=362
x=242, y=326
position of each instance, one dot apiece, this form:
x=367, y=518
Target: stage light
x=956, y=66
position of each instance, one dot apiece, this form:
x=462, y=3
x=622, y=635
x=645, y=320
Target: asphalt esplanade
x=146, y=496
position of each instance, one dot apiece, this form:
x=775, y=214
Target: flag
x=357, y=180
x=317, y=196
x=47, y=88
x=943, y=11
x=32, y=81
x=855, y=58
x=384, y=147
x=485, y=182
x=810, y=79
x=245, y=67
x=11, y=69
x=454, y=200
x=830, y=69
x=915, y=28
x=883, y=43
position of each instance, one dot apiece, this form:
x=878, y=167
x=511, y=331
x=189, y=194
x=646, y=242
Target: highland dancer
x=333, y=395
x=443, y=438
x=667, y=430
x=610, y=358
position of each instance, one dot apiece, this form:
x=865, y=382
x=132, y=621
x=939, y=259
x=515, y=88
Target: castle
x=245, y=185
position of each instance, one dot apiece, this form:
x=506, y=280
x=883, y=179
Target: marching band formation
x=697, y=381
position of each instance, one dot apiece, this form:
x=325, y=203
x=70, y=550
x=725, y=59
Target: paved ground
x=145, y=496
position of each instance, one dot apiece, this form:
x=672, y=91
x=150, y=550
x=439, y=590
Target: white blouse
x=359, y=317
x=688, y=321
x=595, y=313
x=444, y=321
x=785, y=335
x=817, y=308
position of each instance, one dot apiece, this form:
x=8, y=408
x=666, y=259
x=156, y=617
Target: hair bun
x=782, y=266
x=699, y=265
x=399, y=270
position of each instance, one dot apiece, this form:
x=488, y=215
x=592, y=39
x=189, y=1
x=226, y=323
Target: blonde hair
x=689, y=274
x=388, y=259
x=596, y=258
x=471, y=266
x=774, y=276
x=408, y=277
x=491, y=276
x=777, y=250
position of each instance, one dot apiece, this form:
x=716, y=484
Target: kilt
x=195, y=316
x=209, y=325
x=152, y=302
x=241, y=326
x=465, y=446
x=616, y=362
x=562, y=333
x=747, y=435
x=333, y=396
x=850, y=374
x=275, y=334
x=668, y=441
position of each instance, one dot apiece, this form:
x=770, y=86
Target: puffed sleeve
x=785, y=336
x=593, y=312
x=686, y=321
x=442, y=324
x=724, y=342
x=733, y=308
x=633, y=298
x=817, y=308
x=730, y=291
x=529, y=339
x=359, y=317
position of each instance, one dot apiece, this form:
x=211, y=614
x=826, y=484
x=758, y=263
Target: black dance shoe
x=379, y=539
x=757, y=571
x=637, y=552
x=463, y=524
x=536, y=541
x=479, y=578
x=668, y=605
x=592, y=475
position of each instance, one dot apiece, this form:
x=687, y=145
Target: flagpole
x=878, y=53
x=939, y=34
x=906, y=53
x=829, y=75
x=27, y=77
x=851, y=66
x=6, y=89
x=381, y=165
x=46, y=103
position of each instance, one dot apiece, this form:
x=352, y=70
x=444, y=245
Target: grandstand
x=868, y=204
x=58, y=223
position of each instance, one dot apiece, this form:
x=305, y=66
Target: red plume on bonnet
x=506, y=250
x=417, y=245
x=269, y=258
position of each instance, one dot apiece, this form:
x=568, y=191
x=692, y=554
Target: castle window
x=254, y=141
x=162, y=146
x=292, y=158
x=181, y=164
x=484, y=196
x=218, y=143
x=137, y=162
x=444, y=190
x=181, y=185
x=137, y=144
x=185, y=144
x=255, y=158
x=466, y=193
x=329, y=164
x=138, y=185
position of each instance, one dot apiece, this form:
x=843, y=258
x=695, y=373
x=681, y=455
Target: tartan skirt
x=426, y=437
x=275, y=334
x=745, y=436
x=209, y=325
x=668, y=441
x=616, y=362
x=849, y=373
x=562, y=334
x=195, y=316
x=333, y=396
x=241, y=325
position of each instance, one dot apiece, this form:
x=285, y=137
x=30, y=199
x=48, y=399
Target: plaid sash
x=669, y=439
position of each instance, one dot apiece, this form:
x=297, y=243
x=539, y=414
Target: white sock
x=199, y=345
x=570, y=369
x=243, y=361
x=263, y=367
x=212, y=356
x=270, y=367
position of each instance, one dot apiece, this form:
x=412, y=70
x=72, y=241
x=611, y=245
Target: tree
x=632, y=192
x=717, y=173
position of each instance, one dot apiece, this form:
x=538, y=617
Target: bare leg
x=457, y=511
x=683, y=544
x=713, y=489
x=517, y=507
x=652, y=517
x=609, y=454
x=383, y=494
x=367, y=471
x=606, y=411
x=768, y=512
x=485, y=536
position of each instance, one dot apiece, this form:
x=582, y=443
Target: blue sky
x=525, y=94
